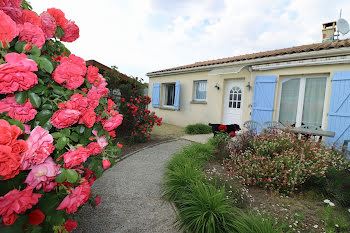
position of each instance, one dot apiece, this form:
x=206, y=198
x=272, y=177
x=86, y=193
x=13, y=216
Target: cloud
x=142, y=36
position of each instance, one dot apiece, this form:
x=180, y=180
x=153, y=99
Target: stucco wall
x=212, y=112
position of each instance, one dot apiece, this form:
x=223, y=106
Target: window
x=302, y=101
x=169, y=94
x=235, y=98
x=200, y=90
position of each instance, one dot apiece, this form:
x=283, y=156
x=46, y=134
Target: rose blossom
x=77, y=102
x=77, y=198
x=32, y=34
x=70, y=225
x=112, y=122
x=92, y=74
x=18, y=202
x=71, y=32
x=97, y=201
x=102, y=141
x=64, y=118
x=70, y=73
x=9, y=162
x=17, y=74
x=22, y=112
x=8, y=133
x=48, y=25
x=101, y=88
x=88, y=118
x=94, y=148
x=93, y=98
x=106, y=163
x=12, y=8
x=8, y=28
x=40, y=146
x=30, y=17
x=58, y=15
x=75, y=157
x=43, y=175
x=36, y=217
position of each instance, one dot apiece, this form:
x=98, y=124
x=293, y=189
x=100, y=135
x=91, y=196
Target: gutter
x=260, y=61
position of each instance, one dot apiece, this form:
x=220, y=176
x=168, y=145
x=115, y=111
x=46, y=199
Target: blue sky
x=140, y=36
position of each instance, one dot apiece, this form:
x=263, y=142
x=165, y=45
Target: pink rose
x=17, y=202
x=88, y=118
x=12, y=8
x=112, y=122
x=102, y=141
x=97, y=201
x=93, y=98
x=8, y=28
x=58, y=15
x=48, y=25
x=70, y=73
x=75, y=157
x=71, y=32
x=77, y=102
x=78, y=197
x=30, y=17
x=43, y=175
x=101, y=88
x=106, y=163
x=40, y=146
x=94, y=148
x=64, y=118
x=32, y=34
x=92, y=74
x=23, y=113
x=17, y=74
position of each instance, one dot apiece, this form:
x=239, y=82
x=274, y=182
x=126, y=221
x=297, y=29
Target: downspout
x=250, y=69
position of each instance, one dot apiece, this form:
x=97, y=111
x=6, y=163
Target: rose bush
x=56, y=123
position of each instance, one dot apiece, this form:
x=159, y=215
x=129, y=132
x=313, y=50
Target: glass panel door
x=289, y=101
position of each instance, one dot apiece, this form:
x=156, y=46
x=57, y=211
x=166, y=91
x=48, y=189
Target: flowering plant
x=55, y=122
x=279, y=161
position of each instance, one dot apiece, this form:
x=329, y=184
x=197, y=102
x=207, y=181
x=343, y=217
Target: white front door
x=233, y=103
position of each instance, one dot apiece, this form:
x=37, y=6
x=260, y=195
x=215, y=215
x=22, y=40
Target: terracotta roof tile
x=271, y=53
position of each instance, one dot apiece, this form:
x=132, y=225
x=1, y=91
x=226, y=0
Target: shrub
x=280, y=161
x=198, y=129
x=55, y=123
x=205, y=209
x=199, y=152
x=220, y=142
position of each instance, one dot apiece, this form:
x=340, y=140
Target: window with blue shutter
x=264, y=96
x=339, y=109
x=177, y=96
x=155, y=95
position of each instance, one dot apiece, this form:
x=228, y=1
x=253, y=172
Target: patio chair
x=312, y=127
x=254, y=127
x=273, y=125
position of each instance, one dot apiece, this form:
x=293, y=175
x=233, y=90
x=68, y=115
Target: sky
x=140, y=36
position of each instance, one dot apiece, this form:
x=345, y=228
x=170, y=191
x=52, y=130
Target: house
x=307, y=84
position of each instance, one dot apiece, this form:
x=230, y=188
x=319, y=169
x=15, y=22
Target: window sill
x=198, y=102
x=170, y=108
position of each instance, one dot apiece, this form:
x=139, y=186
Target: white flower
x=336, y=225
x=315, y=226
x=331, y=204
x=326, y=201
x=349, y=210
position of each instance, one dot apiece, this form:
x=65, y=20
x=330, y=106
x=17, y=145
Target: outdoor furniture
x=254, y=127
x=346, y=148
x=318, y=132
x=273, y=125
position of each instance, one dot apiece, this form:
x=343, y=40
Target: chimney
x=328, y=31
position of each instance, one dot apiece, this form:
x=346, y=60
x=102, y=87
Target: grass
x=198, y=128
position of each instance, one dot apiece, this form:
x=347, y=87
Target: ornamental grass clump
x=56, y=123
x=198, y=128
x=280, y=161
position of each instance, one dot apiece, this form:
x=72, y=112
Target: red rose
x=71, y=32
x=122, y=99
x=94, y=148
x=70, y=225
x=32, y=34
x=74, y=158
x=8, y=133
x=31, y=17
x=22, y=112
x=8, y=28
x=97, y=201
x=112, y=133
x=77, y=198
x=77, y=102
x=64, y=118
x=9, y=162
x=92, y=74
x=9, y=219
x=89, y=118
x=58, y=15
x=106, y=163
x=36, y=217
x=120, y=145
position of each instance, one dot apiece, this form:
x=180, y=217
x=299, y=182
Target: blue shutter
x=339, y=109
x=264, y=96
x=177, y=96
x=155, y=95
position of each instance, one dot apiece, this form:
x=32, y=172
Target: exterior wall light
x=217, y=86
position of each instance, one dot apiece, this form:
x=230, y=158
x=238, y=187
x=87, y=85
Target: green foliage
x=198, y=128
x=205, y=209
x=334, y=221
x=199, y=152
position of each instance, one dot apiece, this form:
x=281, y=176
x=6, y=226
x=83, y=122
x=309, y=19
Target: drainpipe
x=250, y=69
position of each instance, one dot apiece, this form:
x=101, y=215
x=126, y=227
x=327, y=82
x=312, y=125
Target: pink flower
x=112, y=123
x=48, y=25
x=92, y=74
x=17, y=74
x=30, y=17
x=94, y=148
x=106, y=163
x=12, y=8
x=71, y=32
x=64, y=118
x=101, y=88
x=70, y=73
x=75, y=157
x=77, y=102
x=97, y=201
x=88, y=118
x=93, y=98
x=40, y=146
x=8, y=28
x=43, y=175
x=70, y=225
x=58, y=15
x=102, y=141
x=77, y=198
x=23, y=113
x=17, y=202
x=32, y=34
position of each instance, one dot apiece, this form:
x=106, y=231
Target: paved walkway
x=200, y=138
x=130, y=194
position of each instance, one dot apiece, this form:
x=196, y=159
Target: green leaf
x=56, y=135
x=59, y=32
x=80, y=129
x=35, y=100
x=19, y=46
x=47, y=106
x=16, y=122
x=61, y=143
x=71, y=175
x=45, y=64
x=44, y=115
x=58, y=91
x=21, y=97
x=35, y=51
x=65, y=132
x=46, y=125
x=74, y=136
x=37, y=89
x=60, y=178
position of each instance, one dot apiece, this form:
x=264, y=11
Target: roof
x=271, y=53
x=106, y=68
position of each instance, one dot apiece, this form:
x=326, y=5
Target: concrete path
x=131, y=199
x=200, y=138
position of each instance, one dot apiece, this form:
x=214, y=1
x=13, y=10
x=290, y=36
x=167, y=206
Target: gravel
x=131, y=196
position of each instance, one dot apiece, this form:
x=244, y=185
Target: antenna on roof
x=342, y=25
